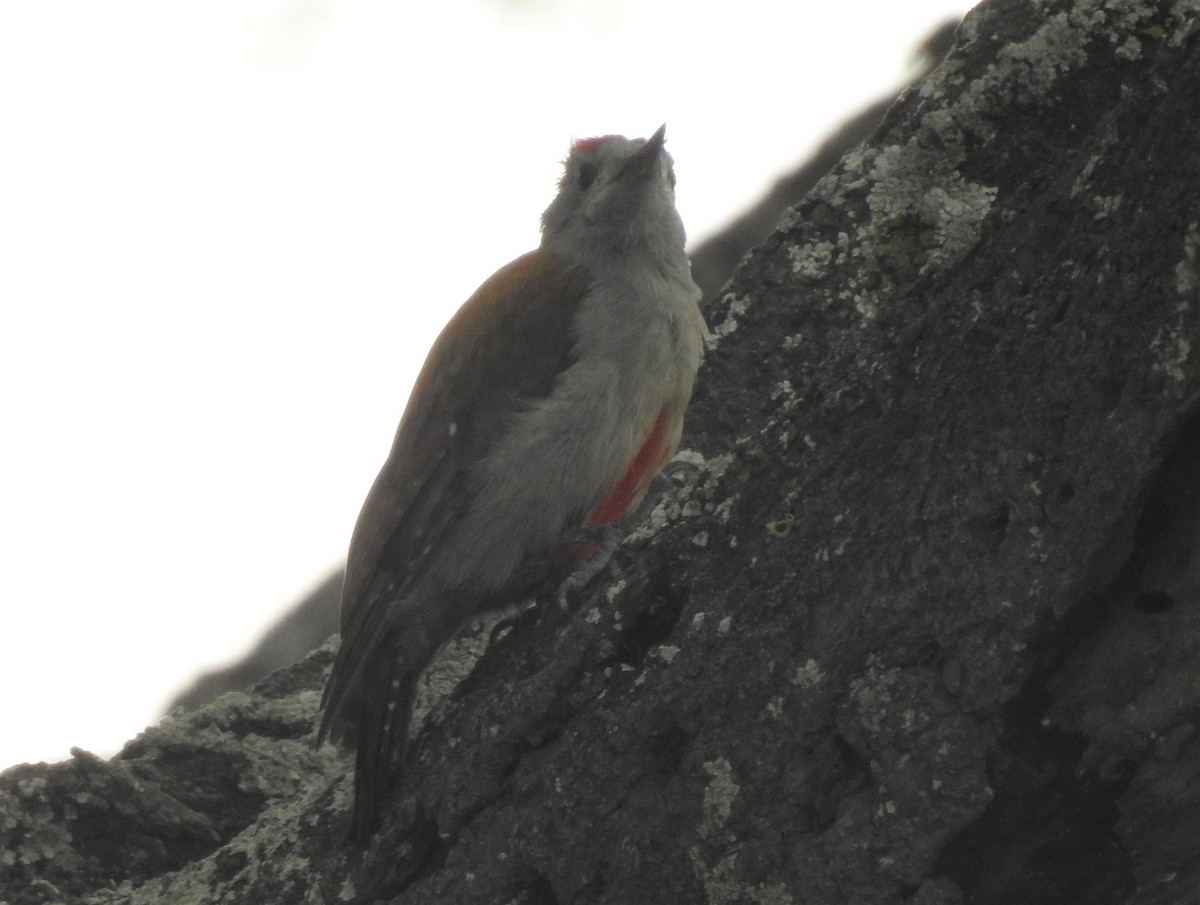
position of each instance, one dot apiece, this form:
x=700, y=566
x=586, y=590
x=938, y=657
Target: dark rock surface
x=922, y=626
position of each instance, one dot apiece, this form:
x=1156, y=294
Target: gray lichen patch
x=917, y=215
x=735, y=307
x=1187, y=276
x=700, y=492
x=1171, y=350
x=1171, y=345
x=912, y=182
x=719, y=795
x=812, y=262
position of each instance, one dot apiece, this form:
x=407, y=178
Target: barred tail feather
x=369, y=697
x=382, y=734
x=342, y=697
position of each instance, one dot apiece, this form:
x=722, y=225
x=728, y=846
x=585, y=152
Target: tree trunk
x=921, y=628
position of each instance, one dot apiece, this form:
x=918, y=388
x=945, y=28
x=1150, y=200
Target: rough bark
x=921, y=628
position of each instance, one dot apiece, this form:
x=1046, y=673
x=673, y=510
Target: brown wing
x=507, y=343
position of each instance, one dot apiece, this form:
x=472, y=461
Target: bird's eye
x=587, y=175
x=671, y=176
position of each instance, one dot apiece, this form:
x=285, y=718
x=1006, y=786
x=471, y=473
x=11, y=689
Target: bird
x=543, y=411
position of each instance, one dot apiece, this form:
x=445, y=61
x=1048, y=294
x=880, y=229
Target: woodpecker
x=544, y=409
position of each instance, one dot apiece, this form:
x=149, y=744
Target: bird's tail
x=342, y=700
x=368, y=700
x=384, y=711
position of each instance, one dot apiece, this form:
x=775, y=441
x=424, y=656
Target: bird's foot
x=594, y=547
x=596, y=544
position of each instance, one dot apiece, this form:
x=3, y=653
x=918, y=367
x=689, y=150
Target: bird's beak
x=645, y=159
x=655, y=142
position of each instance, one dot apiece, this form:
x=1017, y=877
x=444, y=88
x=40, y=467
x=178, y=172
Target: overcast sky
x=230, y=229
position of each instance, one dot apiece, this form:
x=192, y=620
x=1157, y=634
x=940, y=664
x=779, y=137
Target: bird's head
x=616, y=195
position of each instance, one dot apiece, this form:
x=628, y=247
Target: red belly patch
x=632, y=485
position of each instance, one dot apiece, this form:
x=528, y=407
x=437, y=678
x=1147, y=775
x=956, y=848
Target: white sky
x=229, y=229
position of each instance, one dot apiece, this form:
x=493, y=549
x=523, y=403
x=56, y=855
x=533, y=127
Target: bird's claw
x=604, y=540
